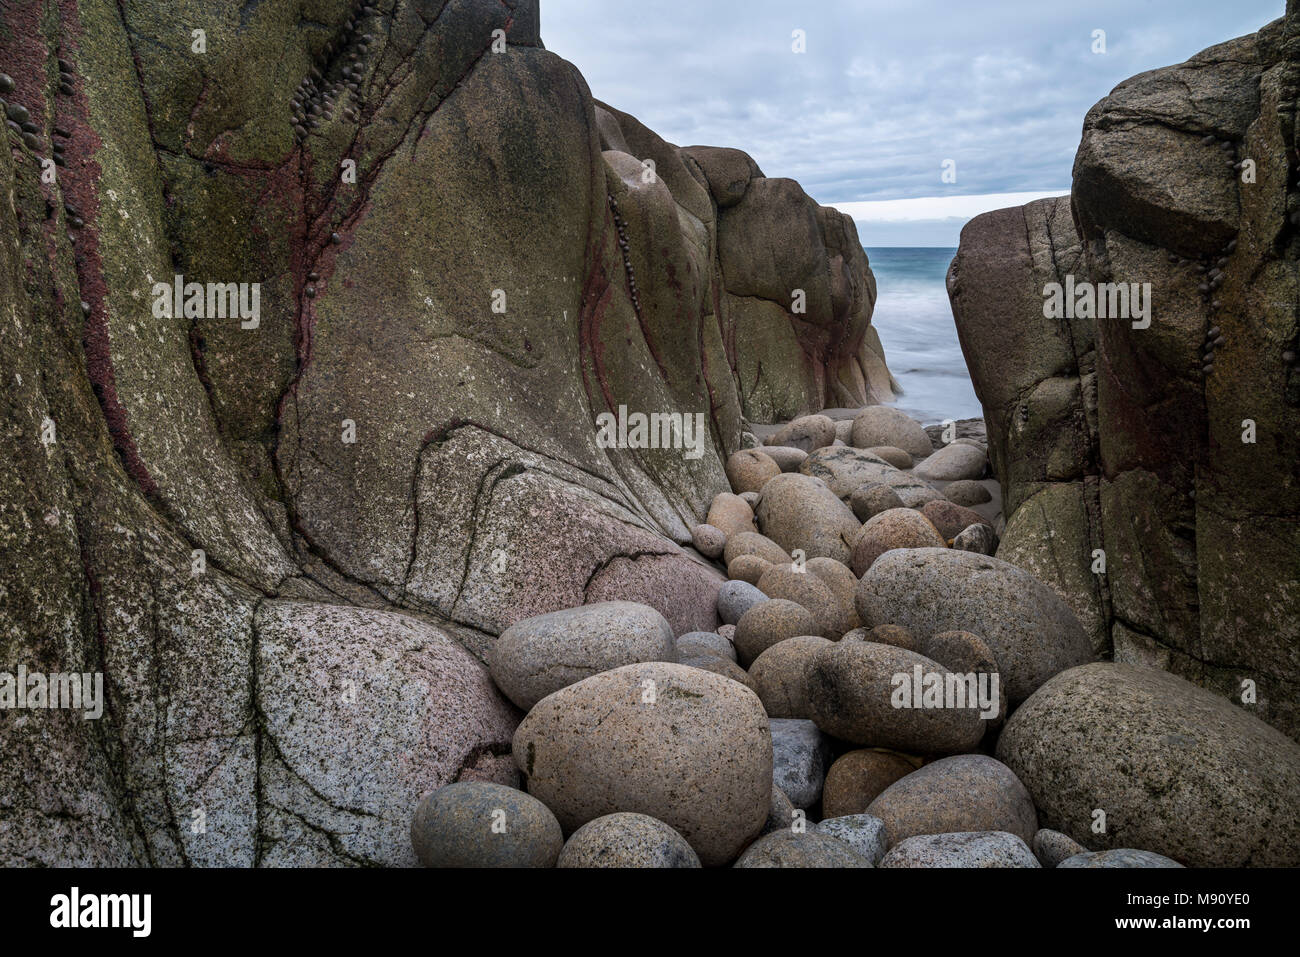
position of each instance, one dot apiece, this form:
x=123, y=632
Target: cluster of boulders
x=790, y=736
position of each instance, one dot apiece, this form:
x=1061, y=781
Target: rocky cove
x=384, y=580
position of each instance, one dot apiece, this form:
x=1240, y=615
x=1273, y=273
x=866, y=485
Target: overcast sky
x=887, y=91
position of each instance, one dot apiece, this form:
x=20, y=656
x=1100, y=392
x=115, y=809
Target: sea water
x=916, y=327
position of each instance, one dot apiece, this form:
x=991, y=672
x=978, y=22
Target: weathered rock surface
x=1132, y=442
x=1177, y=769
x=388, y=433
x=681, y=745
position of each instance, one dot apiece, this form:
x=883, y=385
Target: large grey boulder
x=801, y=755
x=541, y=655
x=961, y=849
x=681, y=745
x=1174, y=768
x=968, y=792
x=801, y=512
x=1031, y=631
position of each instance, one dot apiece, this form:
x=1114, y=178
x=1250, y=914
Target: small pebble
x=32, y=142
x=85, y=308
x=335, y=238
x=18, y=113
x=6, y=83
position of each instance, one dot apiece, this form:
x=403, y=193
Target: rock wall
x=1172, y=449
x=277, y=537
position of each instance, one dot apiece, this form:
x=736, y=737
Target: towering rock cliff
x=277, y=531
x=1170, y=451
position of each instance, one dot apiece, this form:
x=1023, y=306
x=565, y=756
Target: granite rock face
x=395, y=456
x=1169, y=448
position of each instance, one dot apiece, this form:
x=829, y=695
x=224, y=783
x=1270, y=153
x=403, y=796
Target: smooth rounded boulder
x=787, y=459
x=967, y=792
x=872, y=498
x=748, y=568
x=844, y=469
x=777, y=676
x=770, y=622
x=954, y=463
x=752, y=543
x=1031, y=631
x=730, y=513
x=896, y=528
x=749, y=470
x=697, y=643
x=538, y=656
x=851, y=688
x=681, y=745
x=805, y=588
x=808, y=849
x=627, y=840
x=965, y=849
x=1119, y=857
x=950, y=519
x=858, y=778
x=839, y=578
x=805, y=433
x=481, y=824
x=735, y=598
x=895, y=457
x=1052, y=847
x=799, y=511
x=1177, y=769
x=708, y=541
x=882, y=425
x=967, y=492
x=980, y=539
